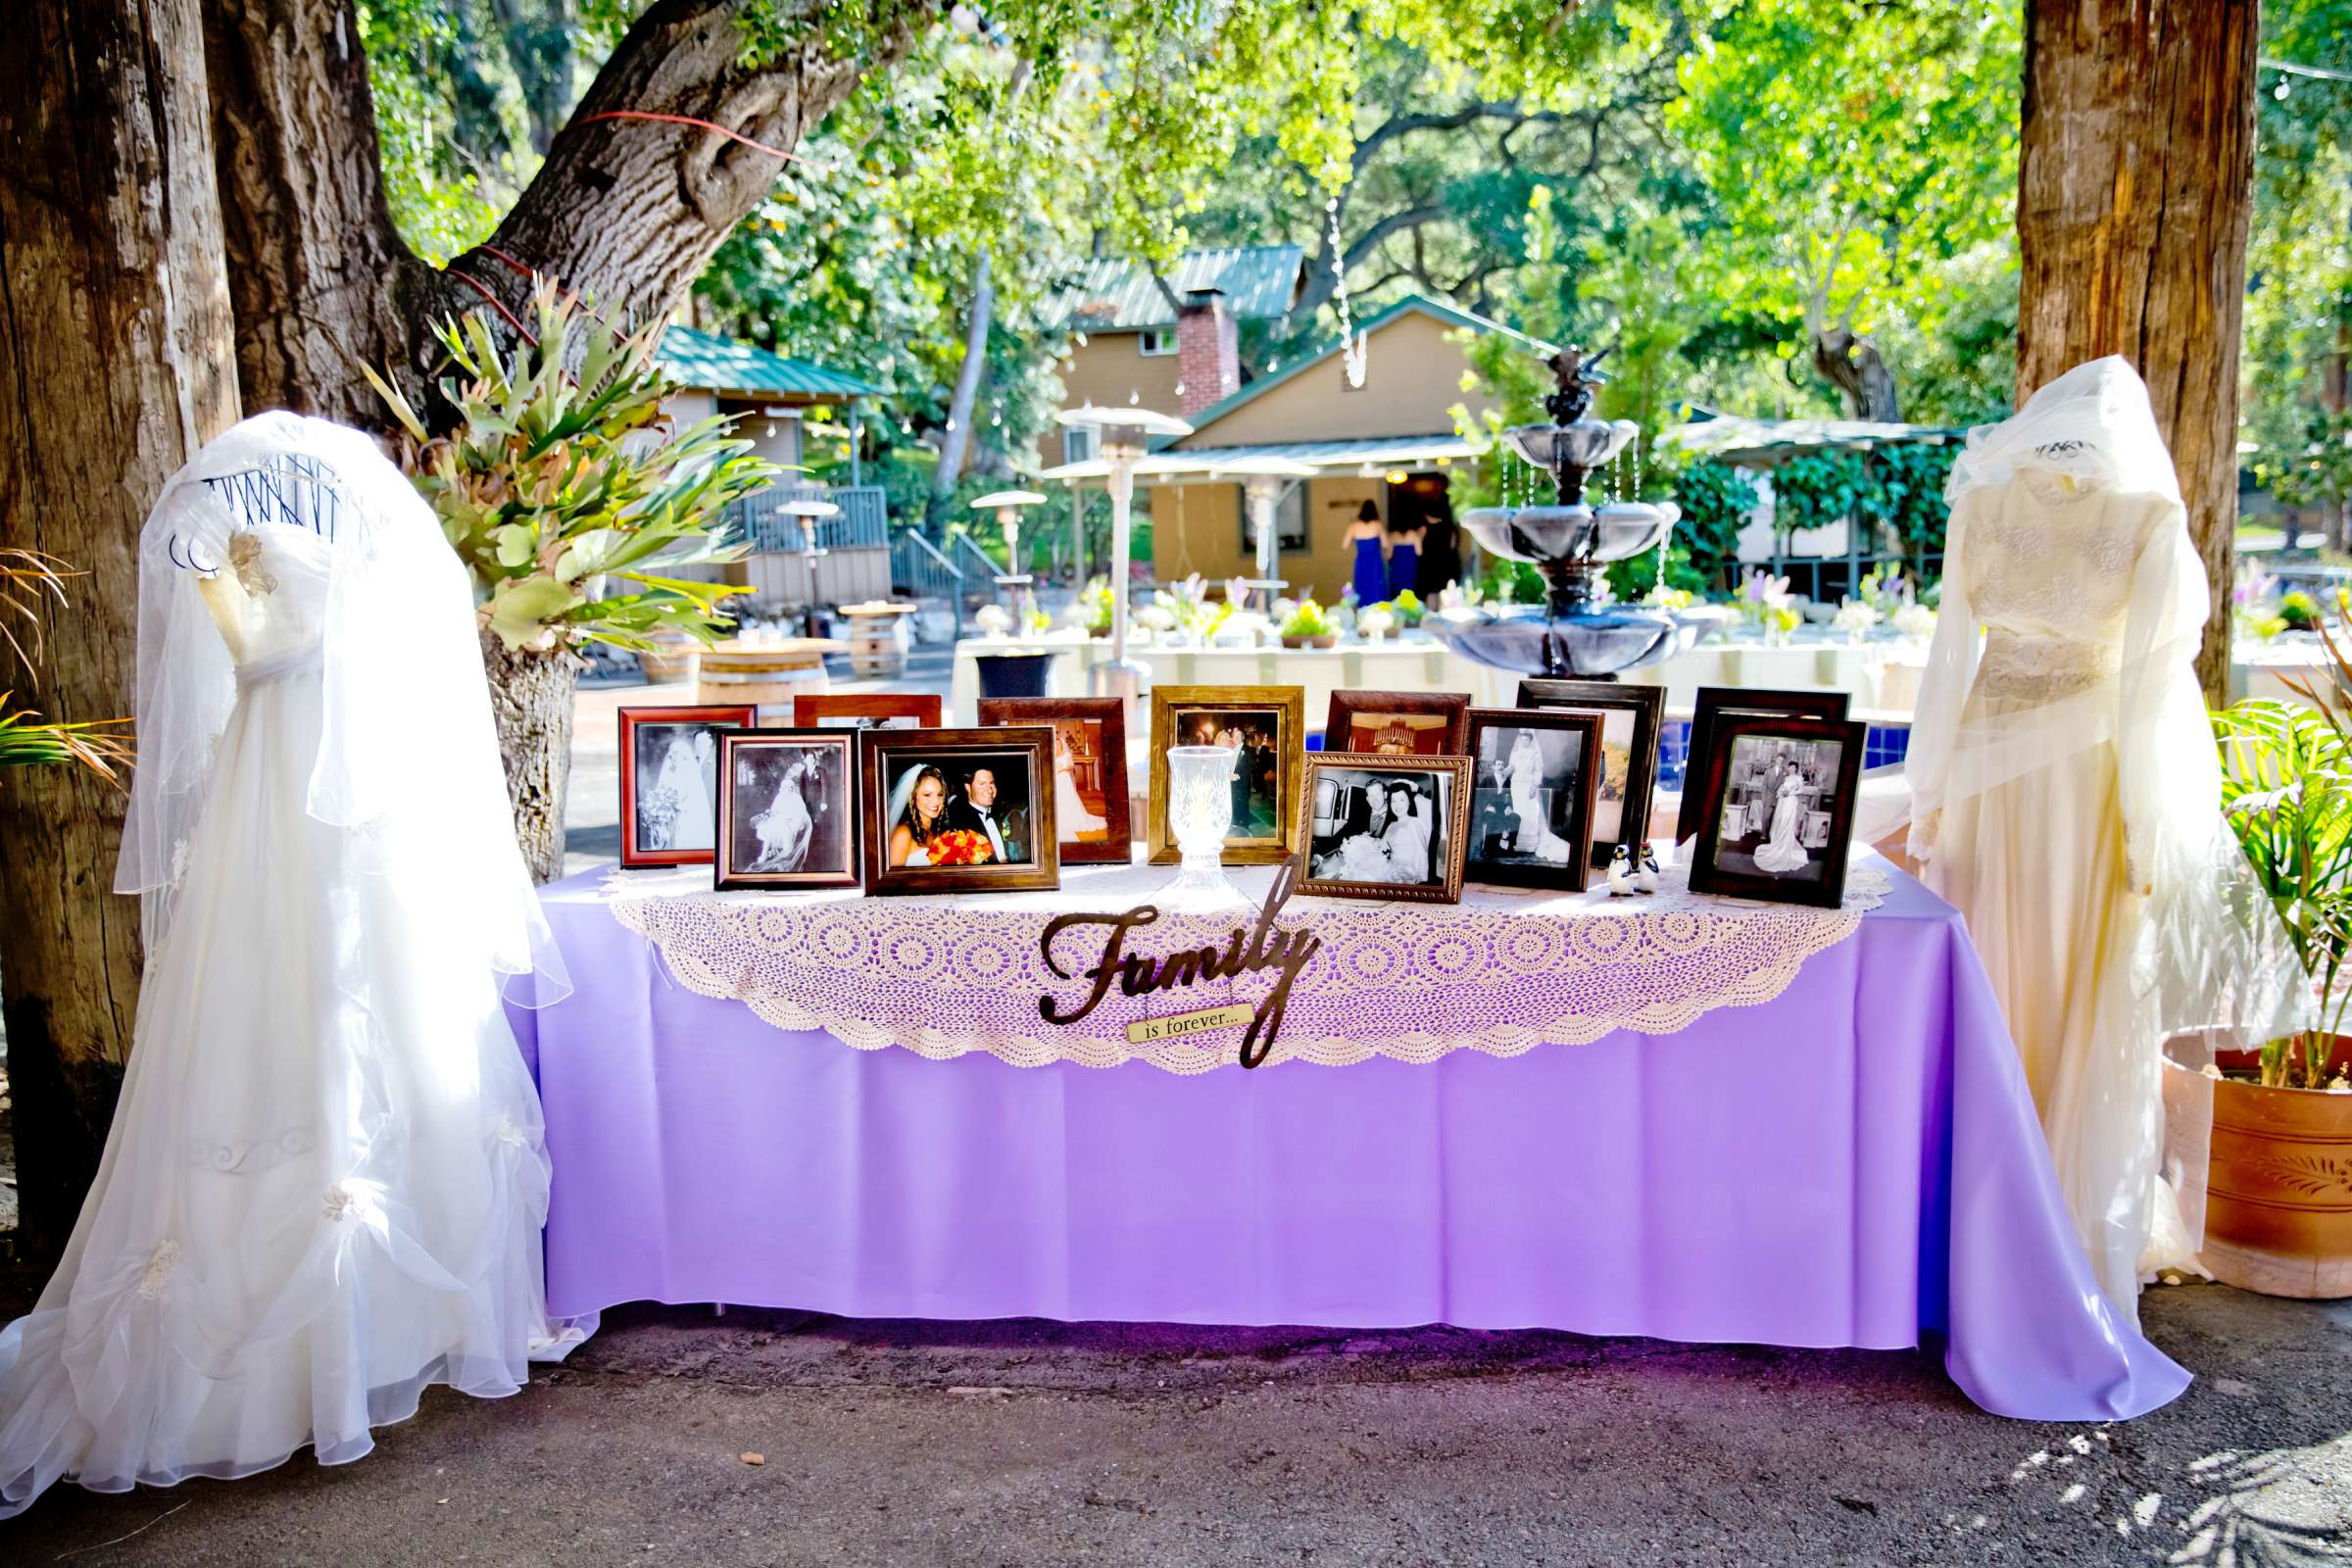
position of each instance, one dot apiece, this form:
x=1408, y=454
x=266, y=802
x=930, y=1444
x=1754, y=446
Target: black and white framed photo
x=787, y=809
x=1535, y=777
x=1384, y=827
x=1631, y=715
x=1778, y=803
x=1714, y=700
x=959, y=811
x=670, y=782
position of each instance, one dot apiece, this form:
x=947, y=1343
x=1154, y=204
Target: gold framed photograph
x=1377, y=825
x=1266, y=726
x=959, y=811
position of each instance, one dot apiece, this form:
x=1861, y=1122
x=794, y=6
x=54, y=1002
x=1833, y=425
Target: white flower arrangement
x=994, y=620
x=1855, y=619
x=1376, y=621
x=1915, y=622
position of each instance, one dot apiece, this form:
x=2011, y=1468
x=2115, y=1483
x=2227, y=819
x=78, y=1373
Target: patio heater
x=1124, y=434
x=1263, y=480
x=808, y=510
x=1008, y=505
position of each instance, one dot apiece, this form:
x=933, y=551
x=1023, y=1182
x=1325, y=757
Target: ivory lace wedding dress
x=2065, y=798
x=324, y=1183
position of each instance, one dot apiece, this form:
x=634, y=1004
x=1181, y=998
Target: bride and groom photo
x=1385, y=828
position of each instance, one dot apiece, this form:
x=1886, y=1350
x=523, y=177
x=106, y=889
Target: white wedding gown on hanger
x=2065, y=796
x=325, y=1182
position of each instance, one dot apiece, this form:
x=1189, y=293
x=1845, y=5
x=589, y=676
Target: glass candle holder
x=1200, y=816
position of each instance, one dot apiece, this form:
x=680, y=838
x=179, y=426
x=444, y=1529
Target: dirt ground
x=1026, y=1442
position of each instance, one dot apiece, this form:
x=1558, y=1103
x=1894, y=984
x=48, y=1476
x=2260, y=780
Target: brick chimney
x=1208, y=350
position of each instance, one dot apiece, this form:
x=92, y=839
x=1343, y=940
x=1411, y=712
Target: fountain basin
x=1581, y=444
x=1541, y=535
x=1592, y=644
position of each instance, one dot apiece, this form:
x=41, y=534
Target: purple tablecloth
x=1852, y=1164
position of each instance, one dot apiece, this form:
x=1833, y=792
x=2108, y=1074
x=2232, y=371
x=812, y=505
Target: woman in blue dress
x=1405, y=555
x=1364, y=537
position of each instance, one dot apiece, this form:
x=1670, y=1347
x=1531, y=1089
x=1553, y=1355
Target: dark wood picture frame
x=1647, y=706
x=1109, y=715
x=1713, y=700
x=1572, y=876
x=1707, y=876
x=811, y=710
x=1288, y=706
x=1456, y=818
x=1450, y=705
x=715, y=716
x=877, y=752
x=726, y=875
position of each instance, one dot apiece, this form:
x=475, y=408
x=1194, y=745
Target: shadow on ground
x=1034, y=1443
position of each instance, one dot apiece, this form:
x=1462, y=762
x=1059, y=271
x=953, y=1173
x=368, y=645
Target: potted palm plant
x=572, y=497
x=2279, y=1210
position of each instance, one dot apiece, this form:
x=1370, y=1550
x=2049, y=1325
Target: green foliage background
x=1700, y=184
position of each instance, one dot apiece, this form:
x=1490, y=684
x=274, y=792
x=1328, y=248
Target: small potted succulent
x=1408, y=609
x=1308, y=626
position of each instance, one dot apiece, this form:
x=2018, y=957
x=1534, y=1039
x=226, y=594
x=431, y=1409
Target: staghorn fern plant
x=572, y=497
x=568, y=491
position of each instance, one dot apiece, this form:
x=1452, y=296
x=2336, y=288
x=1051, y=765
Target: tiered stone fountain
x=1569, y=541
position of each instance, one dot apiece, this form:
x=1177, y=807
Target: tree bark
x=626, y=210
x=321, y=282
x=531, y=701
x=2135, y=194
x=115, y=338
x=956, y=438
x=1852, y=365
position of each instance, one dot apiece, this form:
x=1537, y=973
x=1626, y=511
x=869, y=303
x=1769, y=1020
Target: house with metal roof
x=774, y=398
x=1387, y=441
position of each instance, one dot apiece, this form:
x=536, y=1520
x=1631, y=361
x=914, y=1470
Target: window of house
x=1079, y=442
x=1156, y=340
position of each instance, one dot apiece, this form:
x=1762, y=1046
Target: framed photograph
x=1384, y=827
x=1396, y=724
x=1090, y=770
x=1713, y=701
x=1630, y=716
x=957, y=811
x=670, y=782
x=1534, y=778
x=1777, y=799
x=866, y=711
x=1266, y=725
x=787, y=809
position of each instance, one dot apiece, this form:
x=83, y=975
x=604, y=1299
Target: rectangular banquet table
x=1844, y=1153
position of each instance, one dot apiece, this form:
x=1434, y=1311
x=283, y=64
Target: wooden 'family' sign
x=1261, y=947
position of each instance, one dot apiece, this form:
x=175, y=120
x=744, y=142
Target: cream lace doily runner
x=1501, y=972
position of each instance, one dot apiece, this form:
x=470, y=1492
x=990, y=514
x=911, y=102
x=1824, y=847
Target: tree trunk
x=1852, y=365
x=321, y=282
x=965, y=398
x=2134, y=193
x=626, y=210
x=115, y=337
x=531, y=699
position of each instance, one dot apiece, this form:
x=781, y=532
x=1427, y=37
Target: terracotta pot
x=2278, y=1189
x=1328, y=640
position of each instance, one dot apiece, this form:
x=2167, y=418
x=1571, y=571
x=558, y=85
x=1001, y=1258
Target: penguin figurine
x=1621, y=868
x=1646, y=879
